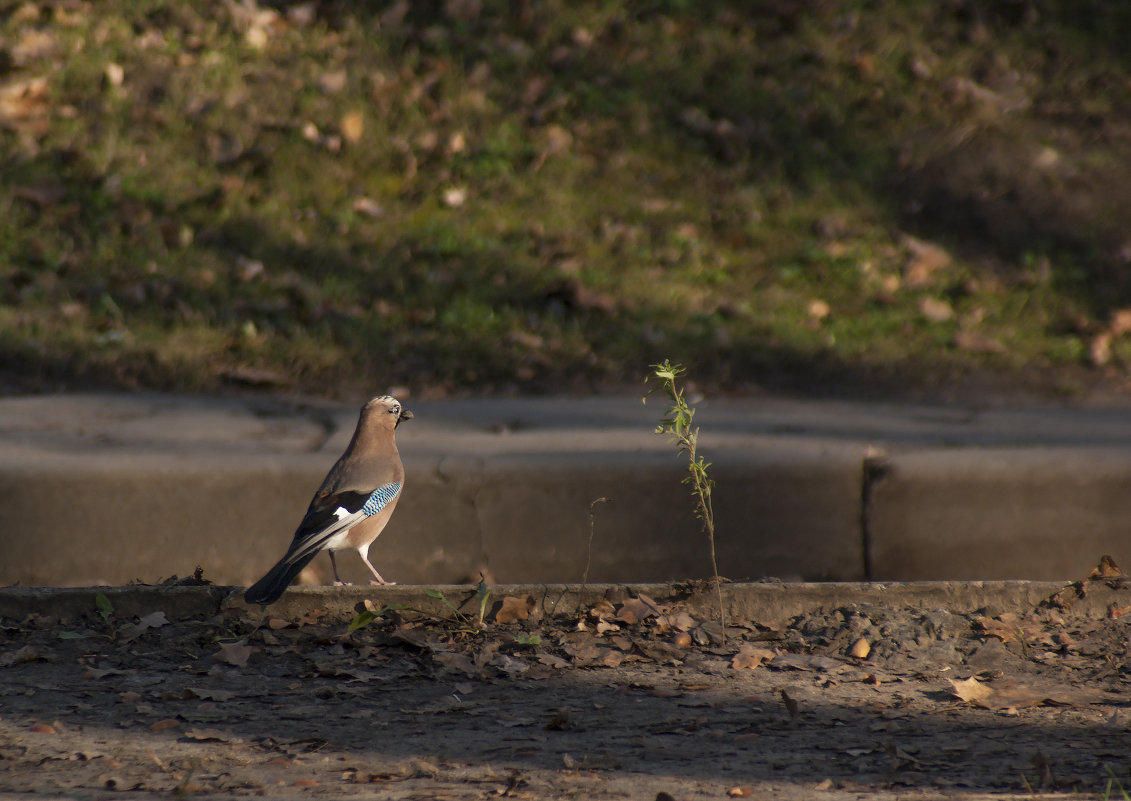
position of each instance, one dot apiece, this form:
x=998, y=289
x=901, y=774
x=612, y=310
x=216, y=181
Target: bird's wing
x=330, y=515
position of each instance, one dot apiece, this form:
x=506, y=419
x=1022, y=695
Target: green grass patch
x=337, y=199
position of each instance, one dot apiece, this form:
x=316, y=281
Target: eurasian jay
x=352, y=506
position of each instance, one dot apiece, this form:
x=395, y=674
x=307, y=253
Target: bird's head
x=386, y=411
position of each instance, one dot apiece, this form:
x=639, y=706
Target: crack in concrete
x=874, y=467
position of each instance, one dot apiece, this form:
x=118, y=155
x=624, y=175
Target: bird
x=352, y=506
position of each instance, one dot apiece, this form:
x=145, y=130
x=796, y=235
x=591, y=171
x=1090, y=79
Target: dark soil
x=628, y=698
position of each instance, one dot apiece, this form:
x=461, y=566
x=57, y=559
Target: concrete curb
x=109, y=489
x=762, y=602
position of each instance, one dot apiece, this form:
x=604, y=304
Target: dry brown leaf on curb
x=637, y=609
x=749, y=657
x=680, y=621
x=601, y=608
x=1106, y=569
x=604, y=627
x=514, y=609
x=313, y=616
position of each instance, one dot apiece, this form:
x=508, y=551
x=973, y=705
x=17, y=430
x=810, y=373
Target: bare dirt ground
x=623, y=698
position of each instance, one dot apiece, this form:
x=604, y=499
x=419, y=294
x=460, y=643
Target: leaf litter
x=601, y=702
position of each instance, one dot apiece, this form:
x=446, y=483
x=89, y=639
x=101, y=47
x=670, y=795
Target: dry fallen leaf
x=154, y=620
x=24, y=105
x=456, y=661
x=333, y=82
x=454, y=197
x=367, y=206
x=1004, y=629
x=925, y=259
x=860, y=649
x=740, y=792
x=28, y=653
x=935, y=310
x=1106, y=569
x=637, y=609
x=750, y=657
x=115, y=74
x=514, y=609
x=971, y=691
x=602, y=608
x=1009, y=694
x=353, y=126
x=235, y=653
x=818, y=309
x=313, y=616
x=1120, y=322
x=1099, y=350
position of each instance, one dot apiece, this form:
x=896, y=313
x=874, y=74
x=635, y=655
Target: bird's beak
x=405, y=415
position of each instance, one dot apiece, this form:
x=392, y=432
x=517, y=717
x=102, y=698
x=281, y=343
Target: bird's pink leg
x=363, y=553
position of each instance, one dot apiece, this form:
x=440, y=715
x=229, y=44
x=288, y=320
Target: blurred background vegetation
x=335, y=198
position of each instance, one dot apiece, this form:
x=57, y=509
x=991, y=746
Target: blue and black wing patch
x=329, y=515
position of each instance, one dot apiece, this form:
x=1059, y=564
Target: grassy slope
x=449, y=197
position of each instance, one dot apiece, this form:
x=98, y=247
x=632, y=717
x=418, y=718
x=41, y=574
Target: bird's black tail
x=268, y=589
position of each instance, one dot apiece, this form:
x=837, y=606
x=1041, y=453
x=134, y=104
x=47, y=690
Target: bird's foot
x=340, y=583
x=376, y=583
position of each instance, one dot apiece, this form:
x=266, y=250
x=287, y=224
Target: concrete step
x=109, y=488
